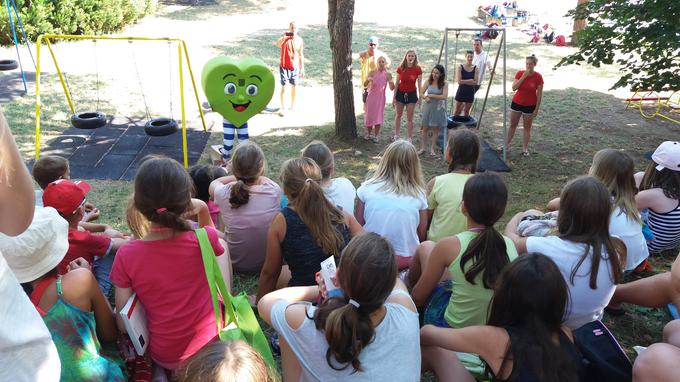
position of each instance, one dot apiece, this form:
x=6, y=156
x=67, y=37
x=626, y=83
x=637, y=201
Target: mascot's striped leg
x=228, y=141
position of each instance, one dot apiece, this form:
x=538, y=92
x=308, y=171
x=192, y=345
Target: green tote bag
x=239, y=321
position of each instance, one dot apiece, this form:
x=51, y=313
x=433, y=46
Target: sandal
x=433, y=154
x=367, y=137
x=525, y=153
x=396, y=138
x=376, y=139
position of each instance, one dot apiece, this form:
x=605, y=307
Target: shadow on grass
x=202, y=9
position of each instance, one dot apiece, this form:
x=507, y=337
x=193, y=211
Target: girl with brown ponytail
x=165, y=268
x=306, y=232
x=248, y=201
x=371, y=333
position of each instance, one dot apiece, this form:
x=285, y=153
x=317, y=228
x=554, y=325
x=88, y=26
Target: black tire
x=160, y=127
x=452, y=124
x=89, y=120
x=8, y=64
x=463, y=120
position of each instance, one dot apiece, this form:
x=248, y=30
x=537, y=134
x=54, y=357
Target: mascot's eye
x=251, y=90
x=230, y=88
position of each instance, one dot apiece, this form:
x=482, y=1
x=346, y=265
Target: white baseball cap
x=40, y=248
x=667, y=155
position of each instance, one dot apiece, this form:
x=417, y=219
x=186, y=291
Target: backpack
x=604, y=359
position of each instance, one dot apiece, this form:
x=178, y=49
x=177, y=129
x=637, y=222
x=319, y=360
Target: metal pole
x=505, y=103
x=446, y=50
x=37, y=98
x=181, y=98
x=16, y=44
x=23, y=32
x=61, y=76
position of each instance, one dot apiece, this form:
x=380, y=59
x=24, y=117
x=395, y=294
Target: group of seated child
x=500, y=306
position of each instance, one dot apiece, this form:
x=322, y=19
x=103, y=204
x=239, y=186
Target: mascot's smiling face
x=237, y=89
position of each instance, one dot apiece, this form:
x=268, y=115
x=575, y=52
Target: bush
x=74, y=16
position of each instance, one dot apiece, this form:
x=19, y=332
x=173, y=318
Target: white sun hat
x=40, y=248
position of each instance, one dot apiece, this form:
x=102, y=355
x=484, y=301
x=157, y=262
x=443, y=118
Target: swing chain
x=96, y=70
x=139, y=80
x=170, y=75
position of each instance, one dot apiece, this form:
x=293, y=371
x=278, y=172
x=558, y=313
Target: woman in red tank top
x=528, y=87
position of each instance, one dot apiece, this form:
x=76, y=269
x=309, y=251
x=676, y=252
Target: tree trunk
x=340, y=19
x=578, y=24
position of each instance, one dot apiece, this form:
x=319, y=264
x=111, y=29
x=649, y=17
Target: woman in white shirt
x=392, y=202
x=590, y=260
x=370, y=333
x=340, y=190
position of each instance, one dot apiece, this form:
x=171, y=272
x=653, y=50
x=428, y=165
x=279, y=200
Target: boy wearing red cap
x=68, y=198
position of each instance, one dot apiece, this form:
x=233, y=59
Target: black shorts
x=407, y=97
x=477, y=88
x=288, y=75
x=522, y=109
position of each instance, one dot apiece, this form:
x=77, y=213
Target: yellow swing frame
x=181, y=49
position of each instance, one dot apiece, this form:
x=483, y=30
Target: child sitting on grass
x=51, y=168
x=68, y=198
x=203, y=175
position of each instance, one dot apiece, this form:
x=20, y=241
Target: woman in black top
x=306, y=232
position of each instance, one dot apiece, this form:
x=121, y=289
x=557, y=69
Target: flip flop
x=367, y=137
x=525, y=153
x=376, y=139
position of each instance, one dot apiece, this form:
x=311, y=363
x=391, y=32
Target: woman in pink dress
x=375, y=102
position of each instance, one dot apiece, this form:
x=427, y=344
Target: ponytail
x=247, y=164
x=367, y=274
x=488, y=253
x=171, y=220
x=239, y=194
x=320, y=216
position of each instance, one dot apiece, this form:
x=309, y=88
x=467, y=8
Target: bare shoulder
x=296, y=314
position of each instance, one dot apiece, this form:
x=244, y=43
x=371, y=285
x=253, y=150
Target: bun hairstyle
x=531, y=298
x=615, y=169
x=485, y=197
x=367, y=274
x=301, y=178
x=585, y=210
x=221, y=361
x=163, y=192
x=322, y=155
x=463, y=149
x=247, y=164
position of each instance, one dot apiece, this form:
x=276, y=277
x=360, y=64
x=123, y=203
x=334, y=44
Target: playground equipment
x=664, y=105
x=92, y=119
x=471, y=121
x=10, y=6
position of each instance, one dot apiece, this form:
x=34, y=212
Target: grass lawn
x=575, y=120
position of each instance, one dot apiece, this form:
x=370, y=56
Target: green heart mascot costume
x=237, y=90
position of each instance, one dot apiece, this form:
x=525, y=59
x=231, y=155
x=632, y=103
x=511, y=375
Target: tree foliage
x=73, y=16
x=641, y=36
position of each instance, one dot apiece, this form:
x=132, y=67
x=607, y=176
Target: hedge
x=73, y=16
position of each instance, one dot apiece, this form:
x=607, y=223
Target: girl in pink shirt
x=165, y=267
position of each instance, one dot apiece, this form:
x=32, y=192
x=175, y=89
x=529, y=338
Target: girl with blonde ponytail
x=248, y=201
x=306, y=232
x=370, y=333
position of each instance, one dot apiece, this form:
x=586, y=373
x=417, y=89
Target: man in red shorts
x=291, y=63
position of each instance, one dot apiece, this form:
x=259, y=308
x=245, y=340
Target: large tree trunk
x=578, y=24
x=340, y=19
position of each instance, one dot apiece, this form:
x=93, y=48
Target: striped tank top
x=666, y=229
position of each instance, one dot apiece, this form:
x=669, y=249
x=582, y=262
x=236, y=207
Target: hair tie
x=353, y=302
x=160, y=210
x=309, y=180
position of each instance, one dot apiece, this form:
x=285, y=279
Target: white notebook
x=134, y=318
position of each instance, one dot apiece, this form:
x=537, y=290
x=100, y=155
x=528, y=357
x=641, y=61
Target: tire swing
x=88, y=120
x=156, y=127
x=8, y=65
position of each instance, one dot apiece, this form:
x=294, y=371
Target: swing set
x=93, y=119
x=14, y=20
x=490, y=33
